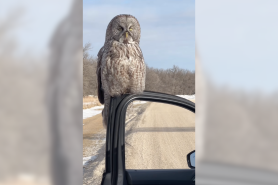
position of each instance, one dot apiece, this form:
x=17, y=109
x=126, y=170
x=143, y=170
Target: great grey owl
x=121, y=68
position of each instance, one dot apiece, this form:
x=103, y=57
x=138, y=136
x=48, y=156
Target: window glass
x=158, y=136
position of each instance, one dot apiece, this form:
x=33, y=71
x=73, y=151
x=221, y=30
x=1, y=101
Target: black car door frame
x=115, y=137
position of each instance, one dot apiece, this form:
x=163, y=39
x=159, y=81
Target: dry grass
x=90, y=101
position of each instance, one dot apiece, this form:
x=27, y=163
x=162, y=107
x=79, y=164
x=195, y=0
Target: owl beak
x=126, y=34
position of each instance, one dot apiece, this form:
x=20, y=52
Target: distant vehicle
x=115, y=172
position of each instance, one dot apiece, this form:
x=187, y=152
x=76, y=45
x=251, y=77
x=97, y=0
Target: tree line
x=176, y=81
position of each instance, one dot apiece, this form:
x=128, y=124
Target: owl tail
x=105, y=111
x=104, y=115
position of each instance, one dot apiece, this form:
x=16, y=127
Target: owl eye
x=131, y=28
x=120, y=28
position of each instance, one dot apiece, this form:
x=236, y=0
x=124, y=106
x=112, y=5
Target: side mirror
x=191, y=159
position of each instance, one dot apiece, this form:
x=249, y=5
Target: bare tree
x=89, y=72
x=172, y=81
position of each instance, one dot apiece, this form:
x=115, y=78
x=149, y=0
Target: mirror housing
x=191, y=159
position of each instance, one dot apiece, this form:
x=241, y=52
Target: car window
x=158, y=136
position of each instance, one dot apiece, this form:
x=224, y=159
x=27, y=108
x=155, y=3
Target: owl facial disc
x=124, y=28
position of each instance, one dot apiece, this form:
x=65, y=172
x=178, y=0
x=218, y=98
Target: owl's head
x=123, y=28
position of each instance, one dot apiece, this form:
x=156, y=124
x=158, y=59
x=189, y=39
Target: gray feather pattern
x=121, y=67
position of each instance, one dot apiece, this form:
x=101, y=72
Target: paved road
x=158, y=136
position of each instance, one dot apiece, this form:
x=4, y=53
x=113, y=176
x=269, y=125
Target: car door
x=115, y=167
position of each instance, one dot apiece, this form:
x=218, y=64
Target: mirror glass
x=158, y=136
x=192, y=159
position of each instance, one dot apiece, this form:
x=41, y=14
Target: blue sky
x=167, y=28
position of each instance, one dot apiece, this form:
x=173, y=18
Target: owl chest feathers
x=122, y=64
x=121, y=59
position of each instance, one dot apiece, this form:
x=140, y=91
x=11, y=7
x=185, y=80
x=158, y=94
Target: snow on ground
x=190, y=97
x=88, y=159
x=97, y=110
x=92, y=111
x=88, y=103
x=139, y=102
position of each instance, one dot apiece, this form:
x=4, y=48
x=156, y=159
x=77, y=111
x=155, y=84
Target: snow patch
x=88, y=103
x=87, y=113
x=139, y=102
x=190, y=97
x=88, y=159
